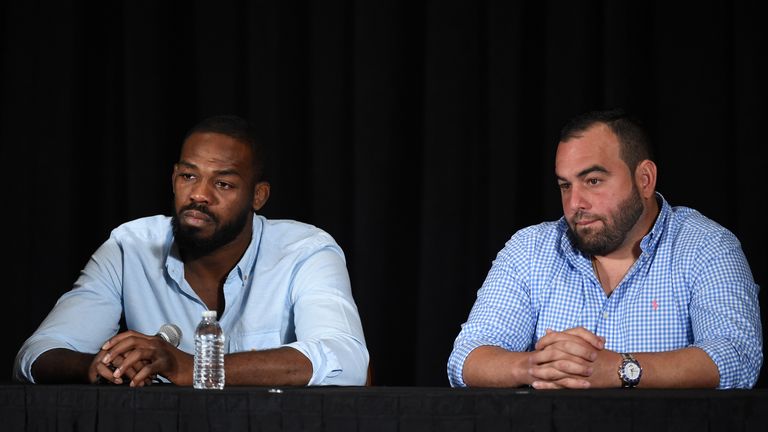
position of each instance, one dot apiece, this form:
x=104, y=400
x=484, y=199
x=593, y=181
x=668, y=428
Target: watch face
x=632, y=371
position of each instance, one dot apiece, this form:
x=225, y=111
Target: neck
x=218, y=263
x=630, y=248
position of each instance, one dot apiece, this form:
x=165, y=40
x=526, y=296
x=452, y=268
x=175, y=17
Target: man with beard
x=280, y=287
x=623, y=291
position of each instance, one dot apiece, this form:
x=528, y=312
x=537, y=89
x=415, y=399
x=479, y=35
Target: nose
x=575, y=199
x=200, y=193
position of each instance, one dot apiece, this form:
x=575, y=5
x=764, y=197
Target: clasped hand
x=139, y=358
x=574, y=358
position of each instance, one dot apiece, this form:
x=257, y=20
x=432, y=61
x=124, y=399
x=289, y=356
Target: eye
x=593, y=181
x=564, y=186
x=224, y=185
x=186, y=176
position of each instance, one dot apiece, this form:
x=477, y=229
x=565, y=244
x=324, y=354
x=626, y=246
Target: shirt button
x=605, y=315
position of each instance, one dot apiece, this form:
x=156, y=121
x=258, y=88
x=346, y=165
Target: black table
x=170, y=408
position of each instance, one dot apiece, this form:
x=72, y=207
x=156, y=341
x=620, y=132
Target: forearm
x=61, y=365
x=275, y=367
x=491, y=366
x=684, y=368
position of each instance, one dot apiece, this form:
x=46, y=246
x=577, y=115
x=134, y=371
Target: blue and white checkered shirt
x=691, y=286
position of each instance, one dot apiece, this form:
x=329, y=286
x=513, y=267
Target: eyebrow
x=584, y=172
x=223, y=172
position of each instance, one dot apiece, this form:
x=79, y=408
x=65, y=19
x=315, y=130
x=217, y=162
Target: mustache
x=201, y=208
x=583, y=215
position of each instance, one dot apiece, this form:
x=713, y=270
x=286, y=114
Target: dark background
x=421, y=135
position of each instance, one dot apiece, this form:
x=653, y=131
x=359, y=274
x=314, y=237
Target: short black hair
x=634, y=143
x=240, y=129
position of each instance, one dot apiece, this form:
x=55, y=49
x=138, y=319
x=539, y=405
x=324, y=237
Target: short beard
x=192, y=246
x=613, y=235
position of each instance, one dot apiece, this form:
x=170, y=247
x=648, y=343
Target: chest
x=210, y=290
x=647, y=311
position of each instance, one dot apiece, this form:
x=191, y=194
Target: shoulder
x=289, y=237
x=150, y=228
x=543, y=239
x=688, y=227
x=542, y=235
x=694, y=239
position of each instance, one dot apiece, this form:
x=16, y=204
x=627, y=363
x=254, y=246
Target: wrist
x=630, y=372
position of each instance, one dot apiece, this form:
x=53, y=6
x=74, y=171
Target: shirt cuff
x=459, y=355
x=736, y=370
x=325, y=364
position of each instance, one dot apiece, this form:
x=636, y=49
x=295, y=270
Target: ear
x=260, y=195
x=645, y=178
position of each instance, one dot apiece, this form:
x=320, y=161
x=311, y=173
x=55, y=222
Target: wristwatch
x=630, y=371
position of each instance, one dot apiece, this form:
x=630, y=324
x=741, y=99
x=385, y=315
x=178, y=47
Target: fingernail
x=593, y=356
x=106, y=358
x=105, y=346
x=117, y=373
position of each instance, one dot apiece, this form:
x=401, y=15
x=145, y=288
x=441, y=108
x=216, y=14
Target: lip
x=195, y=217
x=586, y=222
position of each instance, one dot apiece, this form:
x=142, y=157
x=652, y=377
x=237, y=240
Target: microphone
x=171, y=333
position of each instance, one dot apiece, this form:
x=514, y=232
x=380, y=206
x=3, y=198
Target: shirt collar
x=651, y=240
x=249, y=257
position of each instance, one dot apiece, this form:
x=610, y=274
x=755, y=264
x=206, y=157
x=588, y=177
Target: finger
x=128, y=371
x=119, y=337
x=544, y=385
x=593, y=339
x=119, y=349
x=562, y=349
x=107, y=374
x=570, y=343
x=93, y=369
x=131, y=343
x=571, y=383
x=133, y=361
x=561, y=369
x=588, y=336
x=553, y=337
x=144, y=375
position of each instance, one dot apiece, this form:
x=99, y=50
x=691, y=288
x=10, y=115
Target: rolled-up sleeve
x=725, y=314
x=328, y=327
x=501, y=316
x=83, y=318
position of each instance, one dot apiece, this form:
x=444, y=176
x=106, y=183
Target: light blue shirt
x=290, y=288
x=691, y=286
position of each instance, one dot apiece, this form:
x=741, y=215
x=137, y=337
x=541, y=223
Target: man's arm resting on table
x=61, y=365
x=492, y=366
x=280, y=366
x=688, y=367
x=64, y=366
x=489, y=366
x=684, y=368
x=576, y=358
x=150, y=355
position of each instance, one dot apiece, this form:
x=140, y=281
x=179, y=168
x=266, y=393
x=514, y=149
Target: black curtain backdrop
x=421, y=135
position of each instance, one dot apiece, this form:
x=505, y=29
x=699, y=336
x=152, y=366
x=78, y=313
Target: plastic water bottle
x=209, y=353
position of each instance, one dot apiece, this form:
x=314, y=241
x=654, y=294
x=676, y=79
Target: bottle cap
x=209, y=314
